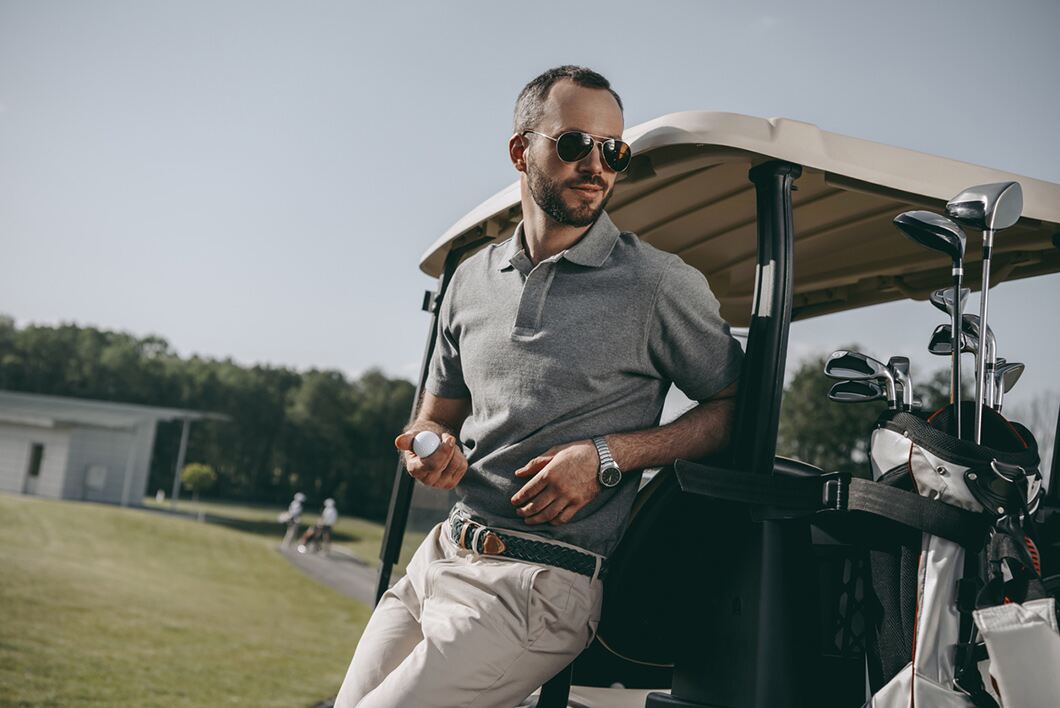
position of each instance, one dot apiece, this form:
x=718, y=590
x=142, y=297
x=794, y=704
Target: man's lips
x=587, y=188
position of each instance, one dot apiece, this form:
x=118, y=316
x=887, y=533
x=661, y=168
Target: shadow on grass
x=264, y=527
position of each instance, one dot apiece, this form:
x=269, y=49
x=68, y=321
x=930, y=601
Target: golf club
x=1005, y=377
x=941, y=343
x=940, y=234
x=855, y=391
x=843, y=364
x=989, y=208
x=942, y=299
x=899, y=366
x=972, y=325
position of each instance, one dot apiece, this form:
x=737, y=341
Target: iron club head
x=899, y=366
x=941, y=343
x=1005, y=377
x=856, y=391
x=845, y=364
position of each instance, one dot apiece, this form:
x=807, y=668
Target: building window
x=35, y=456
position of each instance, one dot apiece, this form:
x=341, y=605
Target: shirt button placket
x=532, y=300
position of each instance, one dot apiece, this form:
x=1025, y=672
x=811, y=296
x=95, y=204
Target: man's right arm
x=444, y=416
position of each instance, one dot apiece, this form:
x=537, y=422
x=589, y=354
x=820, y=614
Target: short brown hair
x=531, y=102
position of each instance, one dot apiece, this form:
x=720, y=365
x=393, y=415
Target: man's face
x=573, y=194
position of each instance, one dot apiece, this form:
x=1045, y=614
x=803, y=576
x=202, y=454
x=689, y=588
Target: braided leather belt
x=484, y=540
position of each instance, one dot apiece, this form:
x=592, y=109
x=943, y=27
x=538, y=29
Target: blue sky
x=259, y=179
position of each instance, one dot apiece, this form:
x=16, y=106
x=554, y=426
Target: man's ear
x=517, y=146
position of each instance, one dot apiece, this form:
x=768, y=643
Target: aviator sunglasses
x=576, y=145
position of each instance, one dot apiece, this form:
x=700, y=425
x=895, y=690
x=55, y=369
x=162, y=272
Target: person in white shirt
x=320, y=535
x=292, y=517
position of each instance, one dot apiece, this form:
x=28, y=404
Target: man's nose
x=593, y=163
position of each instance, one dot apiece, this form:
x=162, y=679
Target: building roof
x=59, y=411
x=687, y=192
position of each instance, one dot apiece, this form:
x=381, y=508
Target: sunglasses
x=576, y=145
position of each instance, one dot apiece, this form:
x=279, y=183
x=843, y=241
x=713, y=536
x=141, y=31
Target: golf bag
x=962, y=616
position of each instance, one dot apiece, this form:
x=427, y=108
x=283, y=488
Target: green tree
x=198, y=478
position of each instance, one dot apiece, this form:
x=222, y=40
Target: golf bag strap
x=836, y=492
x=931, y=516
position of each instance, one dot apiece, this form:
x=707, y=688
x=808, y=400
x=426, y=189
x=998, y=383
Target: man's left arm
x=564, y=479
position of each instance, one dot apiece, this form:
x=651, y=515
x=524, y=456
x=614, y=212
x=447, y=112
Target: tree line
x=314, y=431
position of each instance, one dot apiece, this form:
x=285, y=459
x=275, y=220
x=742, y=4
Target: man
x=554, y=354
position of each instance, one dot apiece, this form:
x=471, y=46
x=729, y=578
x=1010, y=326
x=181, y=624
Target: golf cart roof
x=687, y=192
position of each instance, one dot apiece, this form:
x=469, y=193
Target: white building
x=74, y=448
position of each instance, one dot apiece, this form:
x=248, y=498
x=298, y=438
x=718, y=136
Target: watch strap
x=604, y=452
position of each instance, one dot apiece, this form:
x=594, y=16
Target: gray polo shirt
x=584, y=343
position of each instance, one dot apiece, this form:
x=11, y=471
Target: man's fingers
x=532, y=466
x=436, y=465
x=453, y=472
x=404, y=441
x=429, y=469
x=547, y=513
x=531, y=489
x=537, y=503
x=565, y=515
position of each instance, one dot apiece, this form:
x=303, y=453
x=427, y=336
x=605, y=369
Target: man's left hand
x=563, y=480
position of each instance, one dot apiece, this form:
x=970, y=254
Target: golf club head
x=1009, y=373
x=941, y=343
x=843, y=364
x=942, y=299
x=899, y=366
x=856, y=391
x=988, y=207
x=1005, y=377
x=971, y=324
x=933, y=231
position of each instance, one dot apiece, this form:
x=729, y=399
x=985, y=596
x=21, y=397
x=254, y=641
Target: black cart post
x=750, y=642
x=401, y=497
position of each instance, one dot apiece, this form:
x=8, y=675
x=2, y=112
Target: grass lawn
x=361, y=537
x=118, y=607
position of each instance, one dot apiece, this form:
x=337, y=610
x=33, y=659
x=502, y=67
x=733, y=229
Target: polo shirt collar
x=591, y=250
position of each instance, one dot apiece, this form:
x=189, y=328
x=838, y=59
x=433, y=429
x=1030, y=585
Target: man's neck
x=544, y=238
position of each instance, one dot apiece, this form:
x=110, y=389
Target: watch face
x=610, y=476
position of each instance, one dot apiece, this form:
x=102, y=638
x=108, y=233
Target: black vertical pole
x=762, y=381
x=749, y=643
x=401, y=496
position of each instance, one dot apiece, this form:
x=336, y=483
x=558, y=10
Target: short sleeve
x=688, y=341
x=445, y=376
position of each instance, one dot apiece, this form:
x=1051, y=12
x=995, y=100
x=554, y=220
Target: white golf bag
x=964, y=619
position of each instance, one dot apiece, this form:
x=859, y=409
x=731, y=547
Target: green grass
x=361, y=537
x=112, y=607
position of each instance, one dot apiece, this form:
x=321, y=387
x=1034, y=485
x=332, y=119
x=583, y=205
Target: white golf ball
x=426, y=443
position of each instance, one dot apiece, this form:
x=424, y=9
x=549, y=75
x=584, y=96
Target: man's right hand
x=442, y=470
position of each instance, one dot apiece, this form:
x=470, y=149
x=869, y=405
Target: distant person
x=320, y=534
x=292, y=517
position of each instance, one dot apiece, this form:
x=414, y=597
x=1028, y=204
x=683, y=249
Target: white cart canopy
x=687, y=192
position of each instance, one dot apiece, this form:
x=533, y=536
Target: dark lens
x=572, y=147
x=617, y=155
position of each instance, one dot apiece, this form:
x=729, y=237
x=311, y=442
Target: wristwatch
x=609, y=475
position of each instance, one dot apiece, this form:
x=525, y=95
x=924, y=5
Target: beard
x=548, y=194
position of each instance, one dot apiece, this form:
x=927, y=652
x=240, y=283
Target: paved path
x=339, y=570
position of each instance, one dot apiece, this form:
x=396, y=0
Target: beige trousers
x=462, y=629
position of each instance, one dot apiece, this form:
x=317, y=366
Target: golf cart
x=735, y=585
